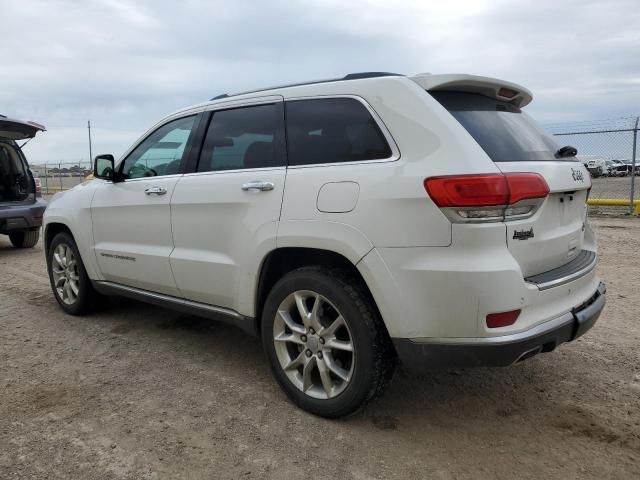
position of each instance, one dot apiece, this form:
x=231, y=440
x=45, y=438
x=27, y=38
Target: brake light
x=502, y=319
x=464, y=194
x=523, y=186
x=468, y=190
x=38, y=185
x=485, y=190
x=505, y=92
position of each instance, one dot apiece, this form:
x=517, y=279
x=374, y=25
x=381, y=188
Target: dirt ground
x=136, y=392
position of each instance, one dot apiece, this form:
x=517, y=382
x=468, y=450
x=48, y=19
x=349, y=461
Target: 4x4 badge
x=577, y=175
x=523, y=234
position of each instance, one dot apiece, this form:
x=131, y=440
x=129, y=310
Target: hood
x=12, y=129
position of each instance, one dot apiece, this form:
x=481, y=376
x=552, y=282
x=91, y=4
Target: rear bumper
x=504, y=350
x=21, y=217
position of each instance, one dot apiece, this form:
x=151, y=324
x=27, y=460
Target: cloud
x=124, y=64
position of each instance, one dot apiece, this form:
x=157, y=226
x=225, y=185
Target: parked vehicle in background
x=616, y=168
x=597, y=166
x=629, y=164
x=348, y=223
x=21, y=203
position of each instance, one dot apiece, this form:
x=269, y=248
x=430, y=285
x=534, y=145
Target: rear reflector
x=485, y=190
x=503, y=319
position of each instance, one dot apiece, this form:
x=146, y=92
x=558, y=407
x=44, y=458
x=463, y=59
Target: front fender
x=73, y=210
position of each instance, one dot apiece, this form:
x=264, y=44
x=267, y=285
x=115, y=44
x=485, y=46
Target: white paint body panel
x=222, y=233
x=129, y=224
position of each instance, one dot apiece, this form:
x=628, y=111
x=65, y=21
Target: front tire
x=325, y=341
x=25, y=239
x=69, y=281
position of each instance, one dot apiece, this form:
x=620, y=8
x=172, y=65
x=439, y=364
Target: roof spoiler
x=490, y=87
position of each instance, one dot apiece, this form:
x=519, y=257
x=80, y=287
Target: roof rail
x=360, y=75
x=350, y=76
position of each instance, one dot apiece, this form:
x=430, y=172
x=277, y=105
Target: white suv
x=347, y=222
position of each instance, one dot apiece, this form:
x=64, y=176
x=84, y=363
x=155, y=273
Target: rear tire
x=70, y=283
x=327, y=370
x=25, y=239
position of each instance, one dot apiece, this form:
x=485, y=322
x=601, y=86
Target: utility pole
x=90, y=153
x=633, y=167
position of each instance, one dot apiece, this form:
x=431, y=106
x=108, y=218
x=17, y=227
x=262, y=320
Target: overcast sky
x=125, y=64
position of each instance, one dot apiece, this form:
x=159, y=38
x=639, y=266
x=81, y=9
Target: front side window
x=245, y=137
x=161, y=152
x=332, y=130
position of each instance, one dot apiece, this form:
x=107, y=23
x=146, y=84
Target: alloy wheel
x=313, y=344
x=65, y=273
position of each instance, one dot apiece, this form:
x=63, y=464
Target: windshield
x=504, y=132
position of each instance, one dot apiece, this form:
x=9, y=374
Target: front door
x=131, y=218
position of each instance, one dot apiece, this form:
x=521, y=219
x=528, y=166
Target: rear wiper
x=567, y=151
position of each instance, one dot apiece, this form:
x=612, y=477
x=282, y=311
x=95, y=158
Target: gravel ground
x=138, y=392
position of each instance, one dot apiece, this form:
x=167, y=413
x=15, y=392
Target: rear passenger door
x=224, y=215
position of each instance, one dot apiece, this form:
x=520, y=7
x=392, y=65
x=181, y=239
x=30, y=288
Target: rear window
x=504, y=132
x=332, y=130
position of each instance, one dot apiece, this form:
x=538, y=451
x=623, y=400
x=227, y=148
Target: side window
x=246, y=137
x=332, y=130
x=161, y=152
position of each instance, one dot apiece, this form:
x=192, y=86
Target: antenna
x=90, y=153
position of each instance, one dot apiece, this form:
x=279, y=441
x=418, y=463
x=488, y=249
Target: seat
x=173, y=167
x=259, y=155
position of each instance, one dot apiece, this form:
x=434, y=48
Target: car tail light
x=502, y=319
x=38, y=186
x=487, y=197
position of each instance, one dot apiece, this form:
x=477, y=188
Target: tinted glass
x=161, y=152
x=332, y=130
x=247, y=137
x=504, y=132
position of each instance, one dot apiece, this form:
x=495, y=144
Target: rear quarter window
x=332, y=130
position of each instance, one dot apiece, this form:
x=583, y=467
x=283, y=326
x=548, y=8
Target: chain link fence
x=609, y=150
x=56, y=177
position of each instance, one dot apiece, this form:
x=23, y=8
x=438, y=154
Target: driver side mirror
x=103, y=167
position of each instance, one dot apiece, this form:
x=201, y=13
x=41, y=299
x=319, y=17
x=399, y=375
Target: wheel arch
x=51, y=230
x=54, y=227
x=280, y=261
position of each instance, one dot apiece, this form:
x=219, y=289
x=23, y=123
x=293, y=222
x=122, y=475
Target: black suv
x=21, y=203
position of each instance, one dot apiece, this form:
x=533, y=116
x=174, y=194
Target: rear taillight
x=38, y=186
x=502, y=319
x=487, y=197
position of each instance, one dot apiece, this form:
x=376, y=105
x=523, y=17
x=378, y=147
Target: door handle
x=155, y=191
x=259, y=186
